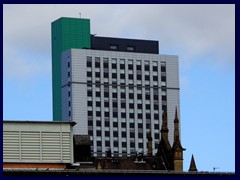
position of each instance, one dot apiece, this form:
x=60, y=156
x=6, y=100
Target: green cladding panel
x=67, y=33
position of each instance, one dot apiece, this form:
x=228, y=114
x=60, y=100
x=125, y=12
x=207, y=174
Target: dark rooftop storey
x=124, y=45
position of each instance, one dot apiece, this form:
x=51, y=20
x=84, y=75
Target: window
x=98, y=133
x=139, y=106
x=98, y=123
x=115, y=134
x=147, y=78
x=130, y=67
x=124, y=144
x=131, y=115
x=97, y=74
x=163, y=68
x=140, y=135
x=146, y=68
x=140, y=126
x=97, y=64
x=156, y=106
x=113, y=47
x=139, y=67
x=114, y=75
x=106, y=94
x=132, y=134
x=156, y=136
x=156, y=116
x=115, y=143
x=130, y=76
x=89, y=103
x=106, y=104
x=99, y=143
x=123, y=125
x=131, y=106
x=123, y=96
x=98, y=113
x=139, y=96
x=123, y=115
x=131, y=95
x=164, y=98
x=140, y=145
x=147, y=106
x=139, y=77
x=90, y=113
x=105, y=75
x=98, y=94
x=139, y=116
x=98, y=104
x=163, y=78
x=89, y=74
x=156, y=126
x=132, y=144
x=107, y=143
x=147, y=96
x=130, y=48
x=106, y=114
x=69, y=113
x=115, y=114
x=155, y=78
x=107, y=123
x=114, y=66
x=89, y=64
x=123, y=105
x=164, y=107
x=115, y=124
x=122, y=76
x=148, y=116
x=131, y=125
x=155, y=97
x=122, y=66
x=90, y=122
x=90, y=132
x=115, y=104
x=155, y=68
x=114, y=95
x=105, y=65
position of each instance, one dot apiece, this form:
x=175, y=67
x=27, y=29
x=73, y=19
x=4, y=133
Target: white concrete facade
x=88, y=99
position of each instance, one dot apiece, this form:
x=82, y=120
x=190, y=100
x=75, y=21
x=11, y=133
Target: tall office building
x=115, y=89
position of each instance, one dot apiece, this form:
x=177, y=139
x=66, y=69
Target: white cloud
x=187, y=30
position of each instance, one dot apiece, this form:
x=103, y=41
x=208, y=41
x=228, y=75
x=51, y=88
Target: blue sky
x=202, y=35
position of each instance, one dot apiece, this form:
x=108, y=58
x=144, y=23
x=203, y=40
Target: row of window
x=123, y=76
x=123, y=124
x=122, y=64
x=123, y=95
x=123, y=115
x=123, y=134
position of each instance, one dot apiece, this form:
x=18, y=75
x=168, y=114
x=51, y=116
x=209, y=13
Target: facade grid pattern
x=123, y=96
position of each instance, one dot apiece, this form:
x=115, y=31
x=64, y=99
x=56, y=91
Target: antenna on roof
x=80, y=14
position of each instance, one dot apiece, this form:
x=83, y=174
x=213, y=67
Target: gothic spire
x=176, y=126
x=164, y=122
x=149, y=144
x=192, y=166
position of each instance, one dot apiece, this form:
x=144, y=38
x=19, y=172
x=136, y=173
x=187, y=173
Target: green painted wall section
x=67, y=33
